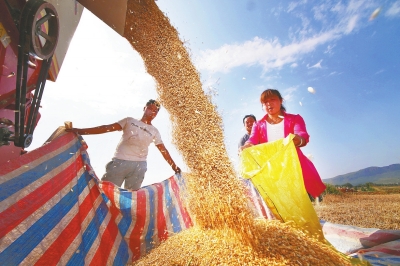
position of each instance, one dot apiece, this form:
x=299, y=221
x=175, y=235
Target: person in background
x=277, y=124
x=248, y=121
x=129, y=163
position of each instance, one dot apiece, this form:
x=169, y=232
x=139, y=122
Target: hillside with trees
x=378, y=175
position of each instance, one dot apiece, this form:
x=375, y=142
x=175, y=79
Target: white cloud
x=333, y=73
x=295, y=4
x=394, y=10
x=351, y=24
x=269, y=54
x=317, y=65
x=329, y=49
x=355, y=5
x=338, y=7
x=274, y=54
x=288, y=94
x=319, y=11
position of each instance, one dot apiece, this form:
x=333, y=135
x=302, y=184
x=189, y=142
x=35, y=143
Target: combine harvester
x=53, y=207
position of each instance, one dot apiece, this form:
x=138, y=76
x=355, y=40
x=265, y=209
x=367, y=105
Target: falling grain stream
x=225, y=231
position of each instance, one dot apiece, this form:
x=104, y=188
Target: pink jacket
x=292, y=124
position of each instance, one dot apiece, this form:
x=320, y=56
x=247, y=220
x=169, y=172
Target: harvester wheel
x=44, y=28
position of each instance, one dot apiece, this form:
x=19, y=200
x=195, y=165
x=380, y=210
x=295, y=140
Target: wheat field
x=363, y=210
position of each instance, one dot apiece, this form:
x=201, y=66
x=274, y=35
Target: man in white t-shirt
x=129, y=162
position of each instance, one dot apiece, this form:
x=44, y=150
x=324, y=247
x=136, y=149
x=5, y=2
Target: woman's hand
x=299, y=141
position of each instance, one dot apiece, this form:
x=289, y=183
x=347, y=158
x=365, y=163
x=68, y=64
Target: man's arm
x=168, y=158
x=95, y=130
x=247, y=144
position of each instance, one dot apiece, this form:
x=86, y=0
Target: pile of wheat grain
x=281, y=245
x=218, y=205
x=215, y=193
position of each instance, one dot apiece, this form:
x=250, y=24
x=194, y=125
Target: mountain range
x=378, y=175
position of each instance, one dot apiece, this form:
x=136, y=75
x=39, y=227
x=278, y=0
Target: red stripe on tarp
x=23, y=208
x=161, y=223
x=256, y=201
x=380, y=236
x=387, y=251
x=60, y=245
x=108, y=189
x=184, y=213
x=106, y=244
x=261, y=206
x=37, y=154
x=135, y=237
x=347, y=232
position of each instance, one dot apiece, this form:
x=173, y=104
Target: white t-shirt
x=135, y=140
x=276, y=131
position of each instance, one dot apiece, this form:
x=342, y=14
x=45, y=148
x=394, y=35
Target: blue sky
x=241, y=48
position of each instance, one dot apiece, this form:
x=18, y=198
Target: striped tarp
x=256, y=202
x=54, y=210
x=379, y=247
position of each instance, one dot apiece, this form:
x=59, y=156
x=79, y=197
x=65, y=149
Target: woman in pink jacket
x=277, y=124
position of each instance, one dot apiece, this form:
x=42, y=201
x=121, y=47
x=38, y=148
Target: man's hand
x=246, y=145
x=176, y=169
x=72, y=130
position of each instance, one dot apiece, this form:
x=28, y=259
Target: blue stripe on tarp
x=172, y=212
x=151, y=227
x=105, y=198
x=122, y=255
x=85, y=155
x=11, y=186
x=89, y=236
x=375, y=260
x=15, y=253
x=125, y=205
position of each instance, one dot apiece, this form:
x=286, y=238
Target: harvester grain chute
x=35, y=36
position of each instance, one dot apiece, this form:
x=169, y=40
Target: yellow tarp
x=275, y=171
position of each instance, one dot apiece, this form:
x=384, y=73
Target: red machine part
x=9, y=37
x=38, y=20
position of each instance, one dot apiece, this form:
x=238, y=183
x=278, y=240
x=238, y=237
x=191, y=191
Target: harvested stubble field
x=363, y=210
